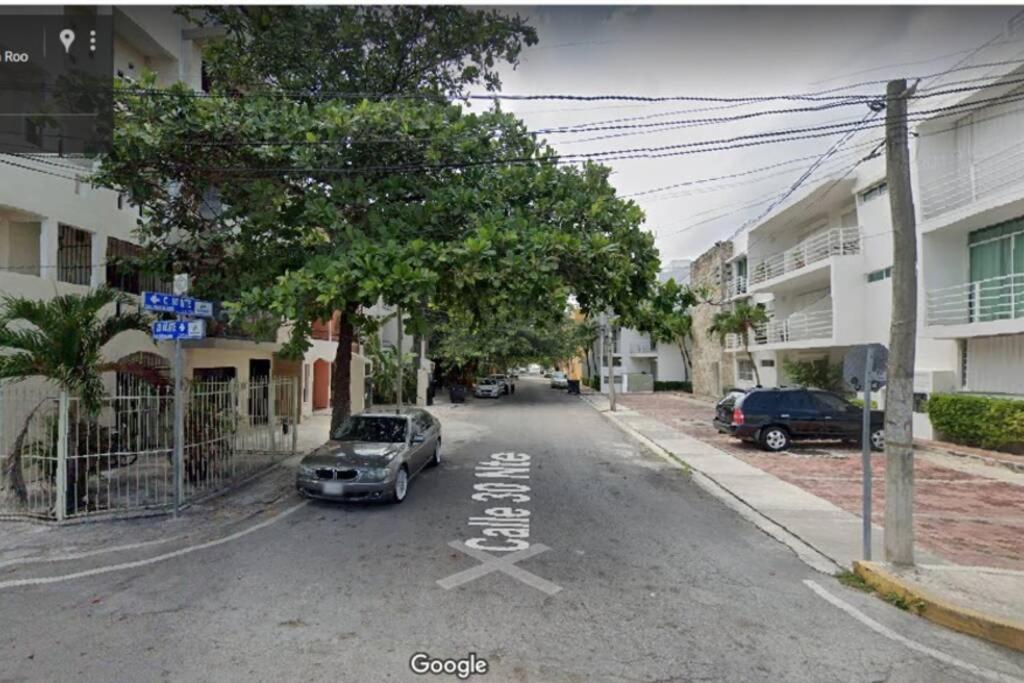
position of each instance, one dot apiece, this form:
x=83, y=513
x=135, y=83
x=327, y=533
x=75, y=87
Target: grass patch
x=852, y=580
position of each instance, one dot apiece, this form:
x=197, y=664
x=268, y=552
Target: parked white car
x=488, y=387
x=559, y=380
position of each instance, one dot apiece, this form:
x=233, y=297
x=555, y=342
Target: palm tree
x=741, y=320
x=62, y=340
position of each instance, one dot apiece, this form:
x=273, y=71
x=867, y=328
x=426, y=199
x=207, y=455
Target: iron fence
x=120, y=459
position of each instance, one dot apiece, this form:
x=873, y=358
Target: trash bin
x=430, y=394
x=574, y=386
x=457, y=394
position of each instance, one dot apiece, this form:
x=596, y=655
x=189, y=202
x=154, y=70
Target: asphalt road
x=645, y=578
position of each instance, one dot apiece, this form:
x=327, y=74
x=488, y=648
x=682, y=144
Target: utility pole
x=899, y=396
x=611, y=366
x=398, y=354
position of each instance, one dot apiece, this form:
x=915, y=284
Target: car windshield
x=487, y=380
x=558, y=375
x=378, y=429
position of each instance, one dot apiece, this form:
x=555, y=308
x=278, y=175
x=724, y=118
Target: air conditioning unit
x=934, y=381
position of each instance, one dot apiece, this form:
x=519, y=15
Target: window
x=74, y=255
x=123, y=271
x=874, y=192
x=830, y=402
x=745, y=370
x=997, y=268
x=767, y=364
x=879, y=275
x=795, y=400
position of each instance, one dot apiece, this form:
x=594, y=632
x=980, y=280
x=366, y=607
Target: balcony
x=976, y=178
x=797, y=327
x=643, y=348
x=835, y=242
x=985, y=301
x=736, y=286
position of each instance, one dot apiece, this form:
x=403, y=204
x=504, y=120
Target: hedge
x=980, y=421
x=674, y=386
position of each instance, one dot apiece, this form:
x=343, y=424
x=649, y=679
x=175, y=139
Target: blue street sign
x=167, y=330
x=182, y=305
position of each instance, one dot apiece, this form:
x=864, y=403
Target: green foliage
x=667, y=316
x=859, y=402
x=62, y=339
x=853, y=580
x=741, y=320
x=817, y=374
x=979, y=421
x=674, y=386
x=385, y=371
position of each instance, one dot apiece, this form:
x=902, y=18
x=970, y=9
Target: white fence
x=59, y=461
x=736, y=286
x=796, y=327
x=997, y=298
x=835, y=242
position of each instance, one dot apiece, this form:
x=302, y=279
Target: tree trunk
x=687, y=364
x=15, y=490
x=750, y=356
x=899, y=395
x=341, y=382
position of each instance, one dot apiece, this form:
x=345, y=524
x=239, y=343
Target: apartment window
x=745, y=370
x=74, y=255
x=874, y=192
x=882, y=274
x=997, y=271
x=123, y=271
x=767, y=364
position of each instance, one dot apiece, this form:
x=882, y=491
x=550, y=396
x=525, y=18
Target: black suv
x=775, y=417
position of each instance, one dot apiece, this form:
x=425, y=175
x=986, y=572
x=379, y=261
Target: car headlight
x=305, y=471
x=375, y=474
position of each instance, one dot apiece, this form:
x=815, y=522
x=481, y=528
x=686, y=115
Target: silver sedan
x=372, y=456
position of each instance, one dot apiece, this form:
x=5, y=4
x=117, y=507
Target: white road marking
x=973, y=669
x=503, y=563
x=40, y=581
x=88, y=553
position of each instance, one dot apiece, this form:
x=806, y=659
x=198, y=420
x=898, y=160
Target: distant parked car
x=488, y=387
x=371, y=456
x=774, y=418
x=508, y=386
x=559, y=380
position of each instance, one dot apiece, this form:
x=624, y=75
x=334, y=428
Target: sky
x=734, y=52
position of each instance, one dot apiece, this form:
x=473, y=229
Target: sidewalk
x=967, y=514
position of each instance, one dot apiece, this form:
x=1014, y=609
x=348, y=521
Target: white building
x=639, y=361
x=821, y=269
x=970, y=199
x=57, y=232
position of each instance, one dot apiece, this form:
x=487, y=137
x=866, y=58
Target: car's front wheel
x=401, y=486
x=436, y=459
x=775, y=439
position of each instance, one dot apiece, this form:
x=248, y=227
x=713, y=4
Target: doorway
x=259, y=390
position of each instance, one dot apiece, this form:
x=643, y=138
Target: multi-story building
x=821, y=269
x=638, y=359
x=970, y=190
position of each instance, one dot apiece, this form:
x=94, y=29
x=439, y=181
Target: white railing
x=997, y=298
x=642, y=347
x=795, y=327
x=736, y=286
x=835, y=242
x=69, y=462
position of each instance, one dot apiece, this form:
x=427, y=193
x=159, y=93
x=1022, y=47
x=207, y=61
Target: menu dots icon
x=92, y=41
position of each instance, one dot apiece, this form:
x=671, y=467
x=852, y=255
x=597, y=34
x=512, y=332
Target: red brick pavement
x=964, y=518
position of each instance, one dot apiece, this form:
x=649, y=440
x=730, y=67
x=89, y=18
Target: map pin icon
x=67, y=36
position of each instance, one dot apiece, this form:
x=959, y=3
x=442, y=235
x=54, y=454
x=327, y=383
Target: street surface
x=623, y=570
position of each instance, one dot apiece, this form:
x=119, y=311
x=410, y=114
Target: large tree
x=667, y=316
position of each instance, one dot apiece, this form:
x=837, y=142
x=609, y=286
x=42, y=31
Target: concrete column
x=49, y=231
x=98, y=274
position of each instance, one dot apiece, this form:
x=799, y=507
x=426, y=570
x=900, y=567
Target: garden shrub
x=674, y=386
x=815, y=374
x=980, y=421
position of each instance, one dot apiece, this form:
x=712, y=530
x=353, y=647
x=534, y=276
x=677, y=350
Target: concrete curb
x=807, y=553
x=923, y=603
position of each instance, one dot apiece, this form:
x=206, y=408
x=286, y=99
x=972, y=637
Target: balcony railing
x=997, y=298
x=974, y=180
x=736, y=286
x=835, y=242
x=642, y=347
x=796, y=327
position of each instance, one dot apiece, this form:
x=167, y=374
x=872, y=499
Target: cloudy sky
x=733, y=52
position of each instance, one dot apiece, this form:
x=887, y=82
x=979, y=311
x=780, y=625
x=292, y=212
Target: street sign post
x=864, y=368
x=176, y=331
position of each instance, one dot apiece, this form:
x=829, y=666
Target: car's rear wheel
x=775, y=439
x=878, y=439
x=401, y=486
x=436, y=459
